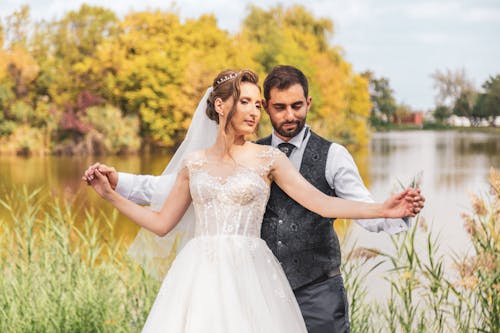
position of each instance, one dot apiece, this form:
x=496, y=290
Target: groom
x=305, y=243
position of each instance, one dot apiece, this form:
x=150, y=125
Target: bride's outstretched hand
x=100, y=184
x=406, y=203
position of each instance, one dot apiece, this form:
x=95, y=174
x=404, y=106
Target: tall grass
x=59, y=274
x=426, y=292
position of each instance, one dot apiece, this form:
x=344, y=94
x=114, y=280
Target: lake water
x=454, y=164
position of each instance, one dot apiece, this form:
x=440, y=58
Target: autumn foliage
x=95, y=83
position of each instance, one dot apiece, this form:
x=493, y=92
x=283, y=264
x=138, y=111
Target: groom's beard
x=289, y=133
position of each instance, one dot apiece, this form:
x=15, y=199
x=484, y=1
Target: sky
x=404, y=41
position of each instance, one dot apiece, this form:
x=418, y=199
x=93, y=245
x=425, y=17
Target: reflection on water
x=61, y=177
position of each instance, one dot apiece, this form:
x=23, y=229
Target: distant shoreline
x=393, y=128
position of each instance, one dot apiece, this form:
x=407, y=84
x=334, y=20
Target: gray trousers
x=324, y=306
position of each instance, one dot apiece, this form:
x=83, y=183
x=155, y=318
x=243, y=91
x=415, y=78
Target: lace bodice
x=230, y=200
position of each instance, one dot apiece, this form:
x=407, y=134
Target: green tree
x=464, y=106
x=382, y=97
x=441, y=113
x=490, y=100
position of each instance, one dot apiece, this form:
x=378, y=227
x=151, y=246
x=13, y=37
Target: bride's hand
x=406, y=203
x=101, y=185
x=107, y=171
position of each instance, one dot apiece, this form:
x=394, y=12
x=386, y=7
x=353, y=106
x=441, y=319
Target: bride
x=226, y=279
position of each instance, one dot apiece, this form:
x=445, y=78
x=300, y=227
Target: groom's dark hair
x=283, y=77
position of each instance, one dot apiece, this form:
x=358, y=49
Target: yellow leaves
x=151, y=65
x=19, y=65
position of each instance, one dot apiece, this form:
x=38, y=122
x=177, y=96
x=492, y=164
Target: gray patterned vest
x=304, y=242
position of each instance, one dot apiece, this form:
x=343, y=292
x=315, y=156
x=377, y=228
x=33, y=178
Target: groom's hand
x=105, y=170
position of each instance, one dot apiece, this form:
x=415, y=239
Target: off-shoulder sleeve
x=267, y=158
x=193, y=161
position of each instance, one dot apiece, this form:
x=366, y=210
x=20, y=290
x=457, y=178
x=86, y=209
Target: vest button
x=279, y=243
x=280, y=221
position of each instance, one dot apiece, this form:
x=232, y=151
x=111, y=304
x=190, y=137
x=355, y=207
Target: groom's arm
x=137, y=188
x=343, y=176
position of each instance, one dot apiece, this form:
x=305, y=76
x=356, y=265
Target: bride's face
x=248, y=108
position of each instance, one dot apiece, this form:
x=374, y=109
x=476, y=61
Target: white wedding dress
x=226, y=279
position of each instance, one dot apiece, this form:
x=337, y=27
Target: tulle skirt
x=225, y=284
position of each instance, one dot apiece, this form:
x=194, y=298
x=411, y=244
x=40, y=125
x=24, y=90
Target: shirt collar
x=296, y=140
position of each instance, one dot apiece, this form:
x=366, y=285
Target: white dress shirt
x=341, y=174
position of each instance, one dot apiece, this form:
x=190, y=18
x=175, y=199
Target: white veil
x=154, y=253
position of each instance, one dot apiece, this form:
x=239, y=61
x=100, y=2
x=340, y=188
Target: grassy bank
x=434, y=127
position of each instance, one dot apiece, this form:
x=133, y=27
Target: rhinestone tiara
x=226, y=78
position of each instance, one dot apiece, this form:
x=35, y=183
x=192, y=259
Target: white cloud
x=433, y=10
x=482, y=15
x=432, y=38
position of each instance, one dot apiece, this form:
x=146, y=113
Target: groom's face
x=287, y=109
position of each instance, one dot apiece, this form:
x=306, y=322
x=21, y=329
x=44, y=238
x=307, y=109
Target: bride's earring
x=222, y=114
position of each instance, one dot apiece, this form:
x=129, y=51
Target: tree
x=158, y=67
x=450, y=86
x=402, y=111
x=18, y=27
x=75, y=40
x=464, y=106
x=480, y=106
x=382, y=97
x=490, y=100
x=441, y=113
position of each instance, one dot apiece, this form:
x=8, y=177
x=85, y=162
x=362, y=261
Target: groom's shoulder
x=319, y=137
x=264, y=141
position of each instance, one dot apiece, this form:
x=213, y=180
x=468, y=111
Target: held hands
x=407, y=203
x=102, y=178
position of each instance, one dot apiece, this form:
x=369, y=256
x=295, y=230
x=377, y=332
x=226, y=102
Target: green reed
x=427, y=293
x=62, y=274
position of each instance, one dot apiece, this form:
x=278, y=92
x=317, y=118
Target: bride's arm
x=298, y=188
x=160, y=222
